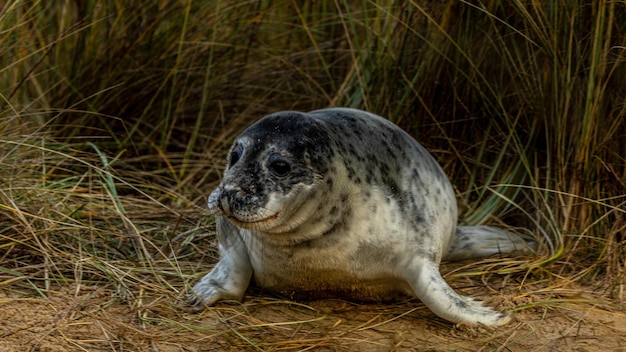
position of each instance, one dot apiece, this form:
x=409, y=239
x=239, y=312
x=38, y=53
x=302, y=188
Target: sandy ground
x=91, y=318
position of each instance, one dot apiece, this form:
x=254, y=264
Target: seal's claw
x=203, y=295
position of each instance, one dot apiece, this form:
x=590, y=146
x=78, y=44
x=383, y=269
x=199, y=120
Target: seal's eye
x=279, y=165
x=235, y=154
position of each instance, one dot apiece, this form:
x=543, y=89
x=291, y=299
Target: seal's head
x=273, y=170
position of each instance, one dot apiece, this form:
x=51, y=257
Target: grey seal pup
x=342, y=203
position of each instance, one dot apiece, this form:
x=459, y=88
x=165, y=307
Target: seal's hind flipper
x=472, y=242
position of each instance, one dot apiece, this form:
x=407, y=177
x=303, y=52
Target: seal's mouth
x=253, y=224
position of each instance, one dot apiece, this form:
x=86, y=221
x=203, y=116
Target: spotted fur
x=342, y=203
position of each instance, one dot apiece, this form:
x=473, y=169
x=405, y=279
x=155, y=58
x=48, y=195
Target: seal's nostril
x=224, y=203
x=224, y=199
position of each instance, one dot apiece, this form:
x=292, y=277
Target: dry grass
x=114, y=119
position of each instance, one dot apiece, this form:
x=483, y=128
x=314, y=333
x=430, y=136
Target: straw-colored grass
x=115, y=117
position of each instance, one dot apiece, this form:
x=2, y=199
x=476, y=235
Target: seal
x=342, y=203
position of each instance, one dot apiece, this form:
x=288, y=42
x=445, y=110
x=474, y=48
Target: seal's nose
x=224, y=198
x=218, y=202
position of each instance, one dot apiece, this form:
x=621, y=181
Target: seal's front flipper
x=231, y=276
x=471, y=242
x=440, y=298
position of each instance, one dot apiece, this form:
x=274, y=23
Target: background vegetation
x=115, y=117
